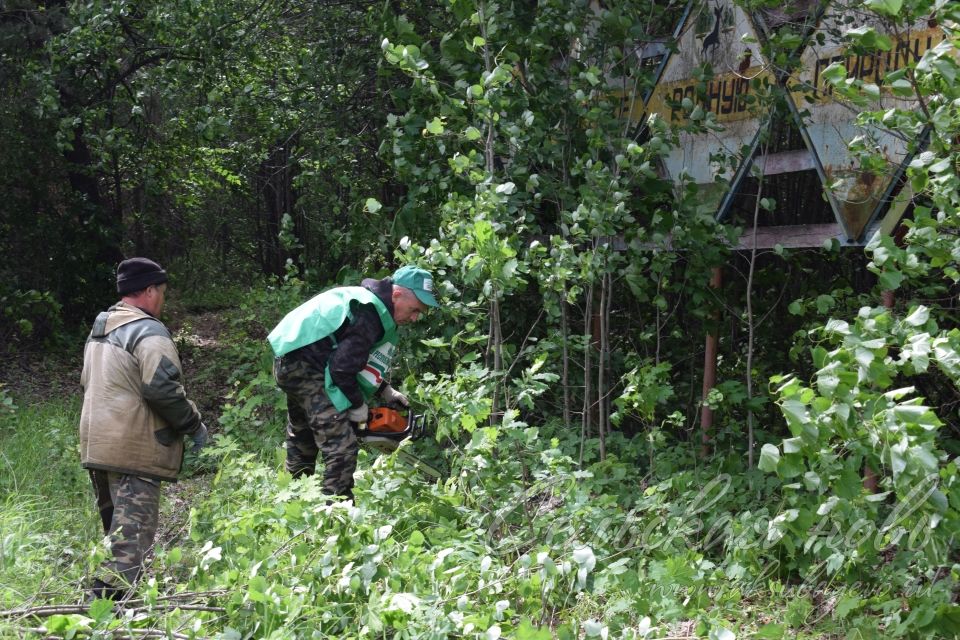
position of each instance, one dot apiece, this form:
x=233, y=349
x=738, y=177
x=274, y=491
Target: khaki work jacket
x=135, y=410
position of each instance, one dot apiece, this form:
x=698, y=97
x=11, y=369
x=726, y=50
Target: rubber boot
x=104, y=591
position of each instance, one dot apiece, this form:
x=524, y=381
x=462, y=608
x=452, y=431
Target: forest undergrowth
x=518, y=540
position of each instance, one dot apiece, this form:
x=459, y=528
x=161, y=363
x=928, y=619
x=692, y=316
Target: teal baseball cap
x=417, y=280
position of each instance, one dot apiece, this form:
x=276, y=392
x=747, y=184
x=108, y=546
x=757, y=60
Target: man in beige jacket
x=135, y=412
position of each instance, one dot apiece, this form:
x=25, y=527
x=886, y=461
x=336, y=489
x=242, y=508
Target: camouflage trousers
x=129, y=509
x=314, y=427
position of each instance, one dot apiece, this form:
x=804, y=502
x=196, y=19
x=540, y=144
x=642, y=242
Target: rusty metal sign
x=717, y=57
x=829, y=122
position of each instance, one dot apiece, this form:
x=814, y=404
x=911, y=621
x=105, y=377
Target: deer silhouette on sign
x=713, y=38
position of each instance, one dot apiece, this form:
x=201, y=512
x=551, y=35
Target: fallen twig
x=165, y=603
x=117, y=634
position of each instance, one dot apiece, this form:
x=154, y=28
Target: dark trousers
x=129, y=509
x=315, y=427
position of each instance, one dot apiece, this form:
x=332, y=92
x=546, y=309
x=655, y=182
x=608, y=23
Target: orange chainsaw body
x=386, y=427
x=386, y=420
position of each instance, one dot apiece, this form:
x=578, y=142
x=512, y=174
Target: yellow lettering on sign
x=872, y=68
x=723, y=96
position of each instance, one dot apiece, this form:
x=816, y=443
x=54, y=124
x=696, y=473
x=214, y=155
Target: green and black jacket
x=347, y=335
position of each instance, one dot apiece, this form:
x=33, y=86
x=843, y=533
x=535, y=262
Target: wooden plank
x=797, y=236
x=785, y=162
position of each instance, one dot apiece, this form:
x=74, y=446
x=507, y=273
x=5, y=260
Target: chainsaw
x=387, y=427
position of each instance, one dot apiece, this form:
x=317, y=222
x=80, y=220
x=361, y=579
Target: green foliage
x=855, y=417
x=646, y=387
x=515, y=530
x=7, y=404
x=46, y=514
x=28, y=318
x=532, y=170
x=864, y=409
x=255, y=410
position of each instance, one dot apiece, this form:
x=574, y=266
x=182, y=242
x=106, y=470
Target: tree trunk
x=585, y=426
x=602, y=412
x=274, y=182
x=564, y=334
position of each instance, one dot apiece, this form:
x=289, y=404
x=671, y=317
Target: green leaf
x=827, y=506
x=257, y=588
x=565, y=632
x=819, y=356
x=64, y=624
x=472, y=133
x=101, y=609
x=891, y=280
x=824, y=303
x=941, y=165
x=869, y=38
x=947, y=68
x=840, y=327
x=435, y=126
x=834, y=73
x=897, y=394
x=526, y=631
x=885, y=7
x=721, y=633
x=847, y=604
x=769, y=458
x=796, y=414
x=902, y=88
x=590, y=77
x=922, y=456
x=771, y=631
x=405, y=602
x=916, y=414
x=792, y=445
x=584, y=557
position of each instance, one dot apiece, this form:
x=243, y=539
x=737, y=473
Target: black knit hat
x=136, y=274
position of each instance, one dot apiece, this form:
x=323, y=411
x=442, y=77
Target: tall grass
x=47, y=518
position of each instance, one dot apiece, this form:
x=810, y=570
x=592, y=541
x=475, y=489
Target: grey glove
x=359, y=414
x=199, y=438
x=389, y=395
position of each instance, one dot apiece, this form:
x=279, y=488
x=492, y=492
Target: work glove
x=388, y=394
x=199, y=438
x=359, y=414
